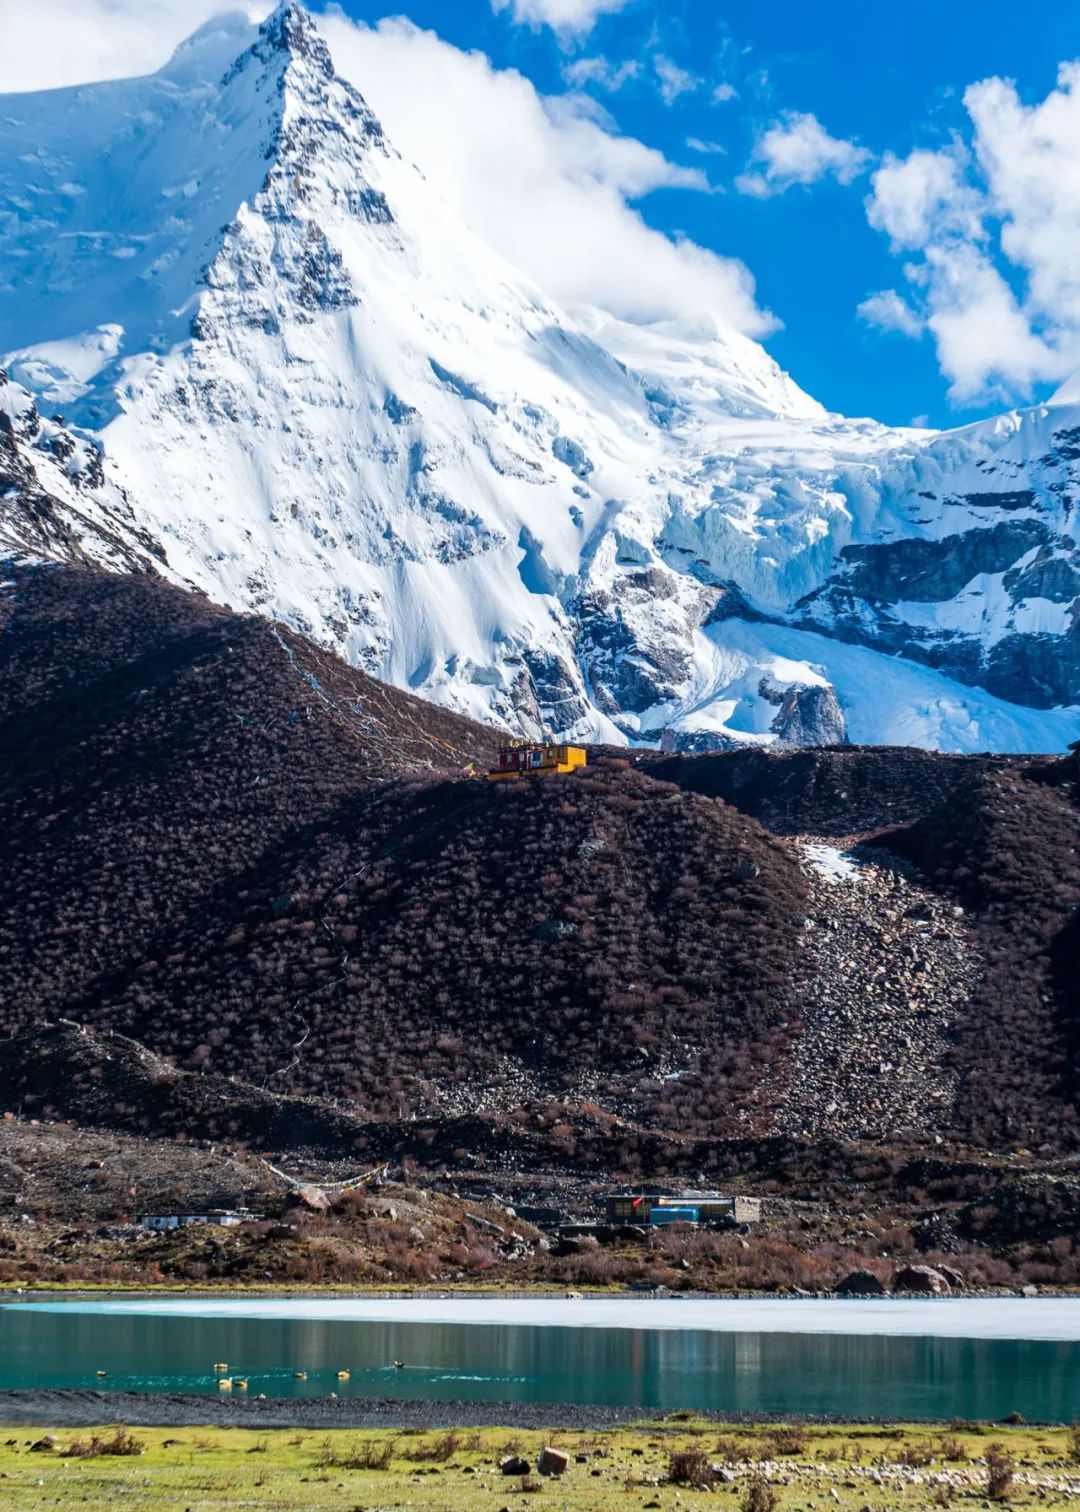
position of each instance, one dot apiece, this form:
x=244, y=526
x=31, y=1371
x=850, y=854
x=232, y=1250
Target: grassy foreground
x=670, y=1464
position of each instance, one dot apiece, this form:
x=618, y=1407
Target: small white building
x=161, y=1222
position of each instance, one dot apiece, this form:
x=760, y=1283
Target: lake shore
x=91, y=1408
x=85, y=1409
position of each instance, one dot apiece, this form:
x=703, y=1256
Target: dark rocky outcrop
x=1032, y=667
x=861, y=1283
x=932, y=571
x=810, y=717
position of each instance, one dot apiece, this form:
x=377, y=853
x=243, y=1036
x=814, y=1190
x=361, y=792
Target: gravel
x=888, y=967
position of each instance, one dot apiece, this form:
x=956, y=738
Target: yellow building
x=521, y=757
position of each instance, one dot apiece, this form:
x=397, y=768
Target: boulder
x=861, y=1283
x=309, y=1198
x=514, y=1464
x=552, y=1462
x=921, y=1278
x=953, y=1277
x=575, y=1244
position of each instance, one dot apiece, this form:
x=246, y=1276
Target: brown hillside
x=156, y=746
x=252, y=859
x=832, y=790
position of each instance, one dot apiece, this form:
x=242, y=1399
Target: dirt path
x=888, y=965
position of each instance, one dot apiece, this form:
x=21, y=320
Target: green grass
x=201, y=1469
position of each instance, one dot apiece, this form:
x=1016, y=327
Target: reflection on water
x=850, y=1375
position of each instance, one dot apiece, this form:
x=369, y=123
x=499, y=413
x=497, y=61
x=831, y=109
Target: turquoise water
x=848, y=1375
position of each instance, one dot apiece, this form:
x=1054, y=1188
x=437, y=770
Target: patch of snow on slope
x=835, y=865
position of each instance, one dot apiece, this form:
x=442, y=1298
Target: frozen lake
x=944, y=1318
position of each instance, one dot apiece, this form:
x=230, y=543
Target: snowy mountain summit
x=246, y=344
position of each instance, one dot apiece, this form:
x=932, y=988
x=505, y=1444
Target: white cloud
x=601, y=72
x=888, y=311
x=673, y=80
x=925, y=193
x=569, y=17
x=798, y=150
x=696, y=144
x=723, y=93
x=1030, y=160
x=548, y=182
x=544, y=181
x=51, y=43
x=985, y=342
x=989, y=228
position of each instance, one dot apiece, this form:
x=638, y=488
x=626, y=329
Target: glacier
x=245, y=343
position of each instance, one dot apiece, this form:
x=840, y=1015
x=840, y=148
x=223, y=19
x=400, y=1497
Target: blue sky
x=888, y=78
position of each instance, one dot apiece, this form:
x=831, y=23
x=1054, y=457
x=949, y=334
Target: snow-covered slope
x=324, y=398
x=56, y=502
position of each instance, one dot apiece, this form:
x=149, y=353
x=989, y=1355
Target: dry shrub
x=368, y=1455
x=690, y=1467
x=438, y=1451
x=760, y=1496
x=964, y=1425
x=914, y=1456
x=788, y=1438
x=1000, y=1469
x=96, y=1446
x=255, y=891
x=1072, y=1445
x=951, y=1448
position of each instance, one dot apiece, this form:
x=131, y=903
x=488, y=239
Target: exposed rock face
x=56, y=502
x=932, y=571
x=810, y=717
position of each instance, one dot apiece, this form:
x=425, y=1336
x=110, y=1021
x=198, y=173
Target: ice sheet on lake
x=954, y=1318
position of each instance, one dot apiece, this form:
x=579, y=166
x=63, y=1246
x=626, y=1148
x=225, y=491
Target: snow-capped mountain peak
x=289, y=28
x=323, y=397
